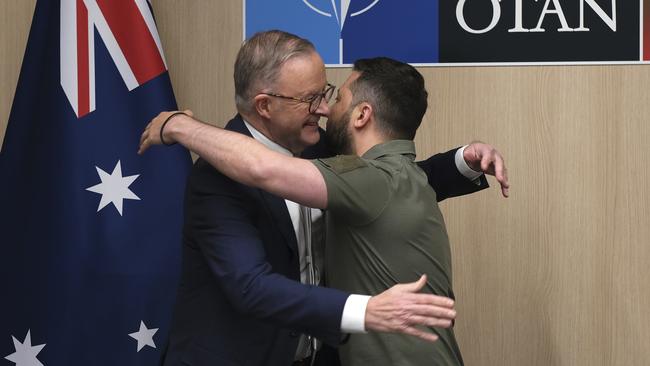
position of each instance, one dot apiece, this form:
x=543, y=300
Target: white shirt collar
x=257, y=135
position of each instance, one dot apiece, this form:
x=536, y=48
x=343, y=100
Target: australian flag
x=89, y=230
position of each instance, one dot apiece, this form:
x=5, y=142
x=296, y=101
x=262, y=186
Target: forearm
x=445, y=178
x=247, y=161
x=235, y=155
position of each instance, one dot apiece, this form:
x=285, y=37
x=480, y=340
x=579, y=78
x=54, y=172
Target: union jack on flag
x=90, y=248
x=128, y=32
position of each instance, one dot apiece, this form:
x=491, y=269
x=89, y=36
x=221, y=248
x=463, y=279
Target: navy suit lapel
x=275, y=205
x=278, y=209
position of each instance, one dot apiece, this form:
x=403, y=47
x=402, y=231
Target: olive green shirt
x=384, y=227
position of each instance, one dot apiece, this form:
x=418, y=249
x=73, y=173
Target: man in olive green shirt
x=383, y=222
x=384, y=227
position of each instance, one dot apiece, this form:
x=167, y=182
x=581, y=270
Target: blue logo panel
x=403, y=30
x=344, y=31
x=296, y=17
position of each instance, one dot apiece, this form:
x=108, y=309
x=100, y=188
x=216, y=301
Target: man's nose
x=323, y=108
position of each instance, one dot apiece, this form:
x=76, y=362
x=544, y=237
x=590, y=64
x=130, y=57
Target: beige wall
x=555, y=275
x=15, y=19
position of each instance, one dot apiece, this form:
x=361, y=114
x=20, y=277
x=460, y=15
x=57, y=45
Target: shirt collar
x=393, y=147
x=257, y=135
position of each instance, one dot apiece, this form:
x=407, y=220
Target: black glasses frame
x=314, y=100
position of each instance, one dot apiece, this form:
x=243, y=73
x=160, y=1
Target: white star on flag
x=114, y=188
x=144, y=336
x=25, y=354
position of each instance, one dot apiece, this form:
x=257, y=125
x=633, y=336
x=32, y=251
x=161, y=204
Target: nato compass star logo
x=324, y=22
x=340, y=12
x=343, y=9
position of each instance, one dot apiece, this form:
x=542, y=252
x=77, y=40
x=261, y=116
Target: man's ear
x=262, y=104
x=363, y=114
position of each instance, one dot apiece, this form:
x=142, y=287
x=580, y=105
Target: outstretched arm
x=462, y=170
x=241, y=158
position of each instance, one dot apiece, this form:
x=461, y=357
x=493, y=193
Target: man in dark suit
x=247, y=294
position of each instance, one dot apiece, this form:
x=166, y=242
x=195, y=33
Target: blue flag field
x=90, y=231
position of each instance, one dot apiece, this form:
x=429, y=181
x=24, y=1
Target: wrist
x=173, y=128
x=353, y=319
x=462, y=156
x=470, y=159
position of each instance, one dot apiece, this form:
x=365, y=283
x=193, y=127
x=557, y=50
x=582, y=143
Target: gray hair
x=259, y=61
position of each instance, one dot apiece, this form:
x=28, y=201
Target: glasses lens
x=326, y=94
x=315, y=103
x=329, y=92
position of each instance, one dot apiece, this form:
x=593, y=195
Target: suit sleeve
x=446, y=180
x=221, y=217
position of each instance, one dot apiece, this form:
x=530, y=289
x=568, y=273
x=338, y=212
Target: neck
x=257, y=121
x=261, y=125
x=365, y=140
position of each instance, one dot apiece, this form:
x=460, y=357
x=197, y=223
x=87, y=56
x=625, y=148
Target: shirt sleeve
x=354, y=314
x=463, y=168
x=357, y=192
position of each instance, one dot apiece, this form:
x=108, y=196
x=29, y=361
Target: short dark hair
x=259, y=61
x=396, y=92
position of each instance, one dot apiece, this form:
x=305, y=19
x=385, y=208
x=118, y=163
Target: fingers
x=144, y=145
x=412, y=331
x=407, y=299
x=486, y=162
x=492, y=163
x=412, y=286
x=430, y=322
x=501, y=174
x=151, y=134
x=400, y=318
x=399, y=311
x=145, y=134
x=431, y=311
x=145, y=140
x=498, y=168
x=502, y=178
x=143, y=137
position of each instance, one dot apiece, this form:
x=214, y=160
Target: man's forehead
x=354, y=75
x=310, y=89
x=304, y=74
x=306, y=90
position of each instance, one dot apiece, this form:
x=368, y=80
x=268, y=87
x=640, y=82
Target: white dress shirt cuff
x=354, y=314
x=462, y=166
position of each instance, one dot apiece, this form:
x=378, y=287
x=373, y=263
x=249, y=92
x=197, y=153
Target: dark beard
x=337, y=137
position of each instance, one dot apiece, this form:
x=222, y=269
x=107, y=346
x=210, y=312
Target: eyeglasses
x=314, y=100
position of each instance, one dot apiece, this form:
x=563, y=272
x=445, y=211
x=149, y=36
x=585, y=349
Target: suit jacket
x=240, y=301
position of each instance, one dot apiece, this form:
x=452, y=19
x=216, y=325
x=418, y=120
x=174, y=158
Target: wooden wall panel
x=554, y=275
x=201, y=39
x=551, y=276
x=15, y=20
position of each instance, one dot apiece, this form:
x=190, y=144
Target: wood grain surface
x=555, y=275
